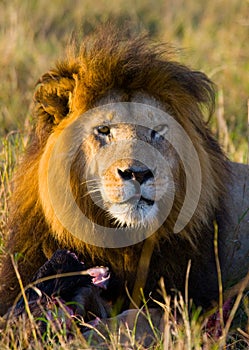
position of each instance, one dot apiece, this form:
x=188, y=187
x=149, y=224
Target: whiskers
x=88, y=182
x=141, y=215
x=92, y=190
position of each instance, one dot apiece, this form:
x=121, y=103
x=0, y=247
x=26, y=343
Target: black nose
x=140, y=176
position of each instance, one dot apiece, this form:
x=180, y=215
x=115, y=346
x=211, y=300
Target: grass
x=191, y=333
x=178, y=331
x=213, y=36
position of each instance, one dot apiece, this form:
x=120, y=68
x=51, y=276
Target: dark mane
x=107, y=61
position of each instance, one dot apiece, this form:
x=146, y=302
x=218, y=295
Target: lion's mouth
x=132, y=204
x=134, y=212
x=137, y=202
x=146, y=200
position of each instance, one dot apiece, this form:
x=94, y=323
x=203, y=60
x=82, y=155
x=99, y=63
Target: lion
x=120, y=131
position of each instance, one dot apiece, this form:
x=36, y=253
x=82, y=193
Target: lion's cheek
x=118, y=192
x=148, y=190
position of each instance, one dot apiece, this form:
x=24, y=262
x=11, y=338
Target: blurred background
x=209, y=35
x=213, y=36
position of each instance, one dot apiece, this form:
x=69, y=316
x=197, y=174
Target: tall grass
x=213, y=36
x=179, y=326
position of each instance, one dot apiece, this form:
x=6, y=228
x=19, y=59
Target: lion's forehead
x=115, y=96
x=139, y=110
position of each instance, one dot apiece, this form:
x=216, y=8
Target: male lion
x=120, y=130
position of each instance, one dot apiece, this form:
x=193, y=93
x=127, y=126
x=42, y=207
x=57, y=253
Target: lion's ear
x=52, y=96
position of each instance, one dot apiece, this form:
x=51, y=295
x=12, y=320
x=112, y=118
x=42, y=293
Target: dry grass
x=190, y=333
x=214, y=36
x=181, y=327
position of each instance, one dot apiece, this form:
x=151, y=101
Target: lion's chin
x=143, y=214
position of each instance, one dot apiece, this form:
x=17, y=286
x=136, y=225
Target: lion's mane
x=107, y=61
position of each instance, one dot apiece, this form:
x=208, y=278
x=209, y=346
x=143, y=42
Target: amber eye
x=159, y=130
x=103, y=129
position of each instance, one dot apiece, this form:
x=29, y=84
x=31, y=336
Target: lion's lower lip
x=146, y=200
x=135, y=201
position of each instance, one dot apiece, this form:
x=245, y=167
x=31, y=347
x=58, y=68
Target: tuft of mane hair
x=108, y=61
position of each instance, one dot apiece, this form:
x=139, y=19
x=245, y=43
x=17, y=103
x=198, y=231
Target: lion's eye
x=103, y=129
x=159, y=130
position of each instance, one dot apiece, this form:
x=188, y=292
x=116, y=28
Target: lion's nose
x=140, y=175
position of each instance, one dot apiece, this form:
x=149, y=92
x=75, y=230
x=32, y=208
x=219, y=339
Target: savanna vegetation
x=212, y=36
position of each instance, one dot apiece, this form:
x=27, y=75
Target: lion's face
x=129, y=164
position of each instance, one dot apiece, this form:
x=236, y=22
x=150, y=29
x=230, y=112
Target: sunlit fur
x=112, y=65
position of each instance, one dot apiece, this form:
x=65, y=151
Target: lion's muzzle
x=129, y=192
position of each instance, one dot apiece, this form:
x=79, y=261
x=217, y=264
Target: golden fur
x=112, y=66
